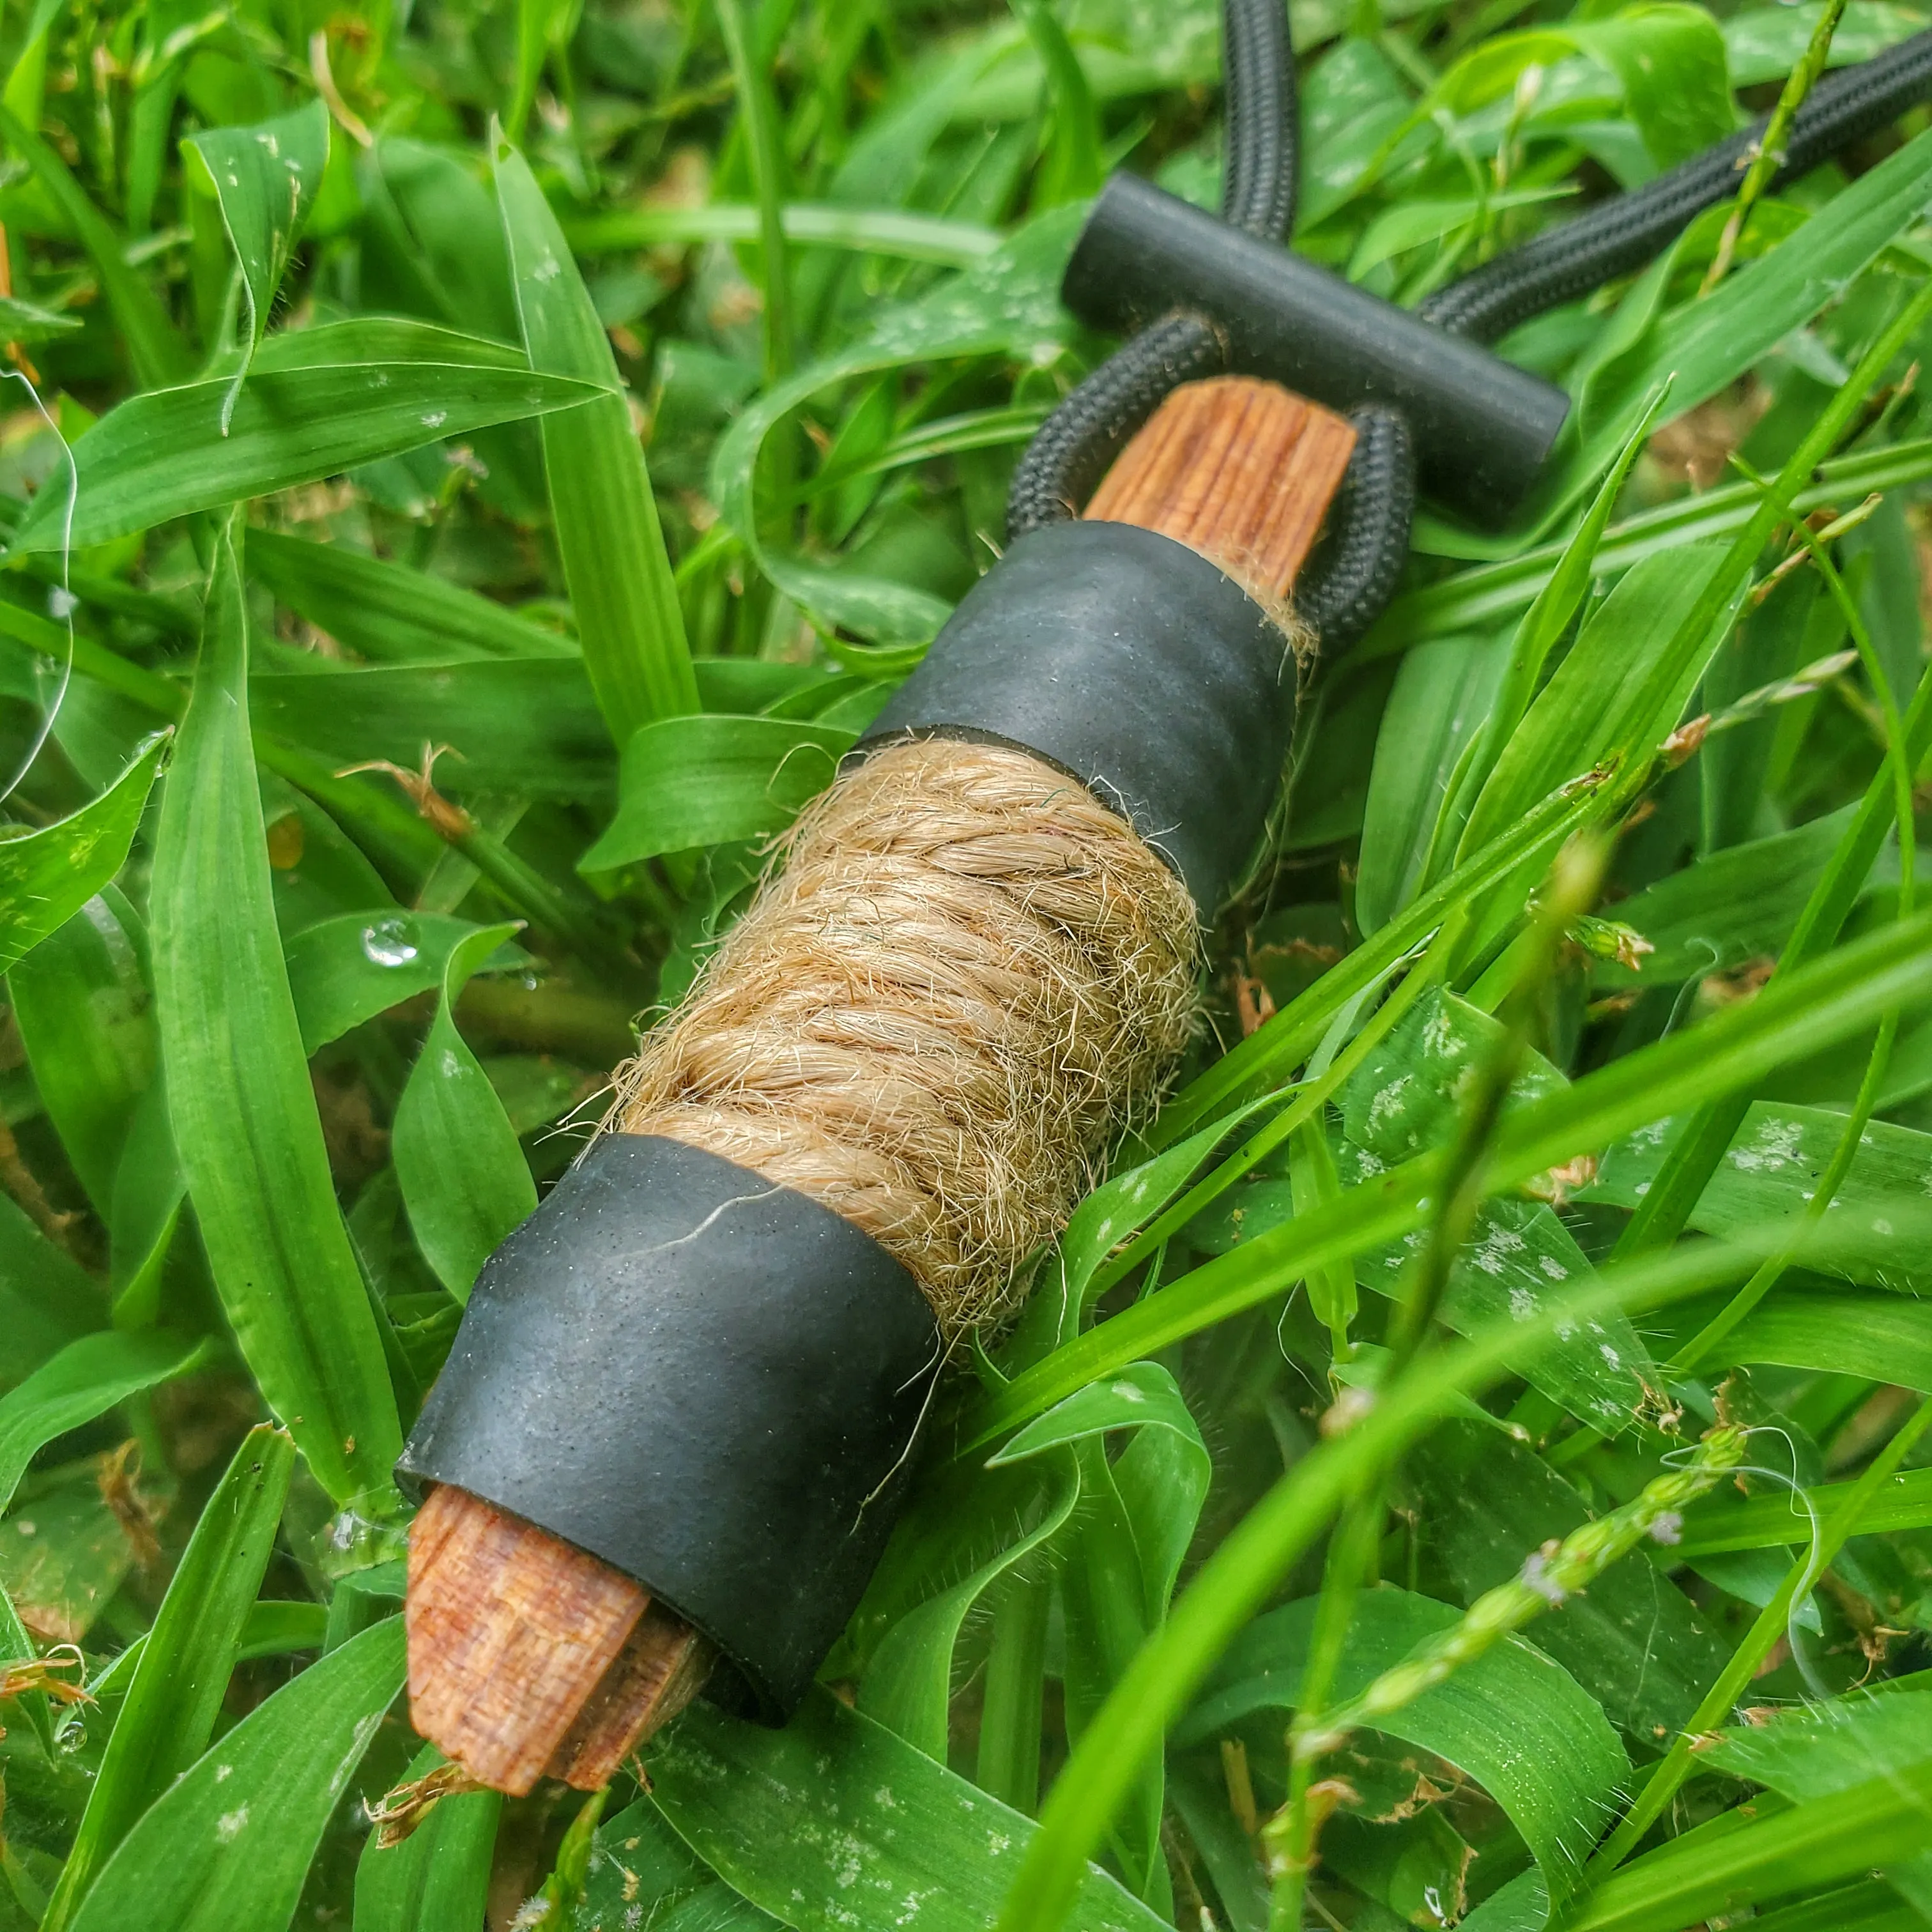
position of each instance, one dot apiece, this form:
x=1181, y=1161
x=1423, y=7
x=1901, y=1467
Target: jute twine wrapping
x=964, y=978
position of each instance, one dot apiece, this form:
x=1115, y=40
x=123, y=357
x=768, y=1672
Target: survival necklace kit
x=668, y=1446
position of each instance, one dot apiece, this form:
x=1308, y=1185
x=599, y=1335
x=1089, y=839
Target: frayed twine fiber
x=968, y=977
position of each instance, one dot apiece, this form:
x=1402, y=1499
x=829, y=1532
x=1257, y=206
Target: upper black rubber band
x=1135, y=664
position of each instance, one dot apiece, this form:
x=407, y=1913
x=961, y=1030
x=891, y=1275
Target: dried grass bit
x=400, y=1809
x=117, y=1476
x=449, y=819
x=1684, y=742
x=968, y=977
x=45, y=1674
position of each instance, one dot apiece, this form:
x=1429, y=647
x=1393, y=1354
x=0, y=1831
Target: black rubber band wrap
x=709, y=1381
x=1135, y=665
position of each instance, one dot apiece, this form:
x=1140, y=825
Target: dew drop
x=387, y=942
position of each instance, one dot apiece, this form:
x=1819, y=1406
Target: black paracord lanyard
x=1355, y=574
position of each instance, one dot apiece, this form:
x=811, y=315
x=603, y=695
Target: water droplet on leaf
x=387, y=942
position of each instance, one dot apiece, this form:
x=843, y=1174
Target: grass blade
x=700, y=781
x=266, y=179
x=438, y=1879
x=461, y=1208
x=168, y=453
x=87, y=1378
x=1706, y=1874
x=390, y=614
x=738, y=1793
x=898, y=231
x=1270, y=1054
x=1828, y=1002
x=46, y=877
x=228, y=1844
x=244, y=1113
x=628, y=615
x=159, y=354
x=186, y=1660
x=1237, y=1579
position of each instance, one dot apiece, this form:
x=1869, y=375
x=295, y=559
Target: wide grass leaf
x=639, y=1865
x=438, y=1879
x=1442, y=695
x=1515, y=1720
x=1162, y=1473
x=629, y=619
x=1739, y=904
x=46, y=1298
x=171, y=451
x=87, y=1378
x=389, y=614
x=1815, y=1750
x=1766, y=1522
x=833, y=1821
x=226, y=1848
x=703, y=780
x=1670, y=59
x=897, y=231
x=47, y=876
x=1722, y=1870
x=982, y=1522
x=344, y=971
x=1523, y=1906
x=1874, y=1233
x=528, y=727
x=463, y=1177
x=187, y=1658
x=1880, y=1338
x=1405, y=1098
x=1599, y=701
x=243, y=1110
x=145, y=1209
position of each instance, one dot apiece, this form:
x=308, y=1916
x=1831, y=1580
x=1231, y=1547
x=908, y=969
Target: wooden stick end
x=1240, y=469
x=527, y=1657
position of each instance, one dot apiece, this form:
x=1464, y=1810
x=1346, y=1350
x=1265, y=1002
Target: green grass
x=396, y=729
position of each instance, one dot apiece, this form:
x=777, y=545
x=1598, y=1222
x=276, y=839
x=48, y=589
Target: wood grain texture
x=521, y=1646
x=662, y=1666
x=1240, y=469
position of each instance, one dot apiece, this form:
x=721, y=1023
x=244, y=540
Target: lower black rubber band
x=711, y=1382
x=1132, y=662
